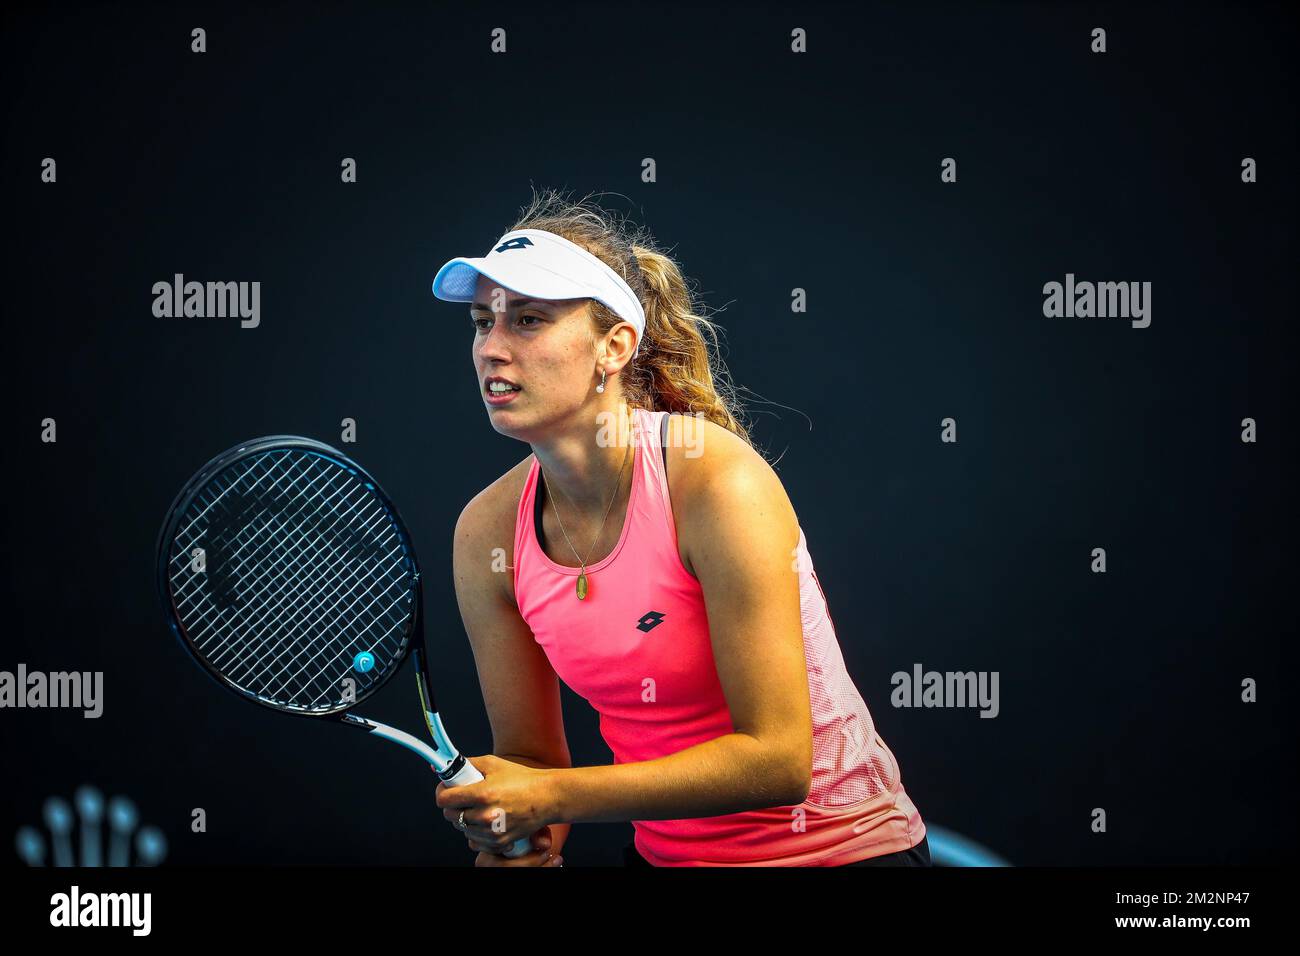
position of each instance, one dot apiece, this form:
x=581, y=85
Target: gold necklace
x=582, y=578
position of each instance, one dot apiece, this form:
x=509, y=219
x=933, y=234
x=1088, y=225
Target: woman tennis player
x=647, y=555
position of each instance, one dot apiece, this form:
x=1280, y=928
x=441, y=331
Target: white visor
x=542, y=265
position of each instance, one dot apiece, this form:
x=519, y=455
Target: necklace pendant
x=582, y=586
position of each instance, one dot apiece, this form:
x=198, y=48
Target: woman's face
x=544, y=347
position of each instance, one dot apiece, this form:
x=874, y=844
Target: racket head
x=305, y=565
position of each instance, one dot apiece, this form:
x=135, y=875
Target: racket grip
x=467, y=775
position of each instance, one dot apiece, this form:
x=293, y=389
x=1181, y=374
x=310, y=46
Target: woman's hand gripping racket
x=288, y=575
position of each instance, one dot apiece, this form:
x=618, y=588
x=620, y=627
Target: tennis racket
x=288, y=575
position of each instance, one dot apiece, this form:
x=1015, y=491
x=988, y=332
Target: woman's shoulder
x=489, y=517
x=501, y=497
x=706, y=462
x=703, y=450
x=725, y=495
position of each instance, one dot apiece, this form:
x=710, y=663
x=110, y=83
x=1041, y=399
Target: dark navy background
x=775, y=171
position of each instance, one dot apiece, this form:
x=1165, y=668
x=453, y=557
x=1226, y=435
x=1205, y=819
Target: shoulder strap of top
x=663, y=439
x=540, y=485
x=538, y=488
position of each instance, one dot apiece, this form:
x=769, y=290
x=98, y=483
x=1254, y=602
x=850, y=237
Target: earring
x=601, y=386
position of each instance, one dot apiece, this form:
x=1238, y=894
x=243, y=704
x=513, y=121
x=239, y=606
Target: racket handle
x=438, y=759
x=467, y=775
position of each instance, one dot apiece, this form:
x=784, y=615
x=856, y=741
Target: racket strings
x=218, y=645
x=323, y=610
x=231, y=571
x=190, y=534
x=275, y=595
x=315, y=616
x=235, y=565
x=306, y=568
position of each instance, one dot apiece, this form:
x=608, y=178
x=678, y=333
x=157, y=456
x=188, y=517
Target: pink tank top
x=638, y=650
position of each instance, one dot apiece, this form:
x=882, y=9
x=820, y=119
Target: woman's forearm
x=559, y=831
x=728, y=774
